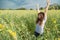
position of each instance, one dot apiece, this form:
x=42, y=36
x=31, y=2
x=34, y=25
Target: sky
x=14, y=4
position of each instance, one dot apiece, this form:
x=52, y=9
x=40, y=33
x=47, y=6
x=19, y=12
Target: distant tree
x=51, y=7
x=31, y=9
x=41, y=8
x=21, y=9
x=59, y=7
x=10, y=9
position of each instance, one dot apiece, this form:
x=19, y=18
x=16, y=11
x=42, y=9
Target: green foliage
x=54, y=6
x=23, y=23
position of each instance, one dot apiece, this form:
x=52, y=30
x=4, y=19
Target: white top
x=40, y=28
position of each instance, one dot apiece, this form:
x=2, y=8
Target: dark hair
x=38, y=19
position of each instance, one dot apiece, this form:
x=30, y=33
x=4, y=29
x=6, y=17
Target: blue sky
x=13, y=4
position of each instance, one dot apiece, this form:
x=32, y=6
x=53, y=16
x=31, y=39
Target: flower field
x=20, y=25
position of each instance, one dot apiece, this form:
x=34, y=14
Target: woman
x=41, y=20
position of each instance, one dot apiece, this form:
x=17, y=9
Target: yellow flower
x=1, y=26
x=12, y=33
x=54, y=20
x=58, y=38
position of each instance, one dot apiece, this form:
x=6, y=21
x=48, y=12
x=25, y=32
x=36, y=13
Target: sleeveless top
x=40, y=28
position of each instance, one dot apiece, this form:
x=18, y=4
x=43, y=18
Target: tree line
x=53, y=6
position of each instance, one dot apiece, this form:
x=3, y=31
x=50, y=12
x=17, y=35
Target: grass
x=20, y=25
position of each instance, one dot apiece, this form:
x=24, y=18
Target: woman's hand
x=48, y=2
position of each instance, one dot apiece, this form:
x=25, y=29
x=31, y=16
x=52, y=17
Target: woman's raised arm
x=38, y=8
x=46, y=9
